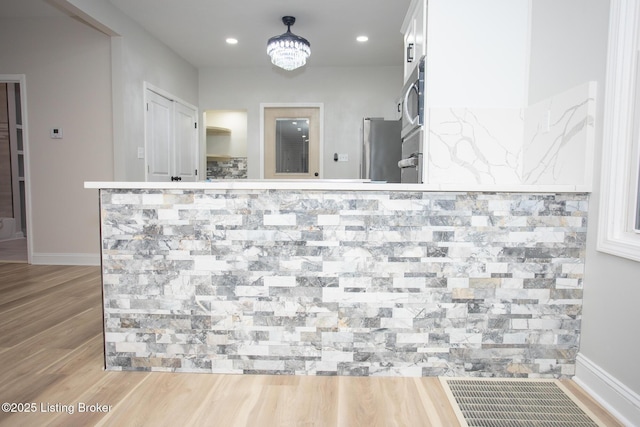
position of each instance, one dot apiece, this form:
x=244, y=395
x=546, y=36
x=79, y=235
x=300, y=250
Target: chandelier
x=288, y=50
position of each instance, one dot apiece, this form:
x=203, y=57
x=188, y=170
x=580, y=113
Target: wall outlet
x=56, y=133
x=343, y=157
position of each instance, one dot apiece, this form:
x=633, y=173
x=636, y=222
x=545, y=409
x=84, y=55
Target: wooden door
x=292, y=143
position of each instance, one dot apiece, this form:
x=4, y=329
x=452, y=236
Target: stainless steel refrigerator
x=381, y=150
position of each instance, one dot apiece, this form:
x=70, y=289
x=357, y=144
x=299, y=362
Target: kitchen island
x=342, y=278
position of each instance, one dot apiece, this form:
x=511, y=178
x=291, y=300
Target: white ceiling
x=197, y=29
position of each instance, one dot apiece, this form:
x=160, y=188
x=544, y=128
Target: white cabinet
x=414, y=32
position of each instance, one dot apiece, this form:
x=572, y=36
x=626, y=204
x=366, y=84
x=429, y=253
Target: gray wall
x=569, y=46
x=68, y=84
x=91, y=85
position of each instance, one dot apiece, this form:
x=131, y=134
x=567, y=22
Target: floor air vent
x=516, y=403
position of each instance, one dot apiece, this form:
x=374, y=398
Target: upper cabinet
x=414, y=33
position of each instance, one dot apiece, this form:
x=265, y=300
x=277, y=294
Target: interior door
x=171, y=139
x=186, y=143
x=159, y=128
x=292, y=143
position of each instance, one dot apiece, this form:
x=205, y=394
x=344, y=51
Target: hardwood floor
x=51, y=356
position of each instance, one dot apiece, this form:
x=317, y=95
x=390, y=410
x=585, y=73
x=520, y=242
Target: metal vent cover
x=516, y=403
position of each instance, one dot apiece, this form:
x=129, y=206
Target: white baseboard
x=65, y=259
x=622, y=402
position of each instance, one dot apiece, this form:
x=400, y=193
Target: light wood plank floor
x=51, y=355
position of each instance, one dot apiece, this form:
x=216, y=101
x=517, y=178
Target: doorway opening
x=14, y=245
x=226, y=144
x=292, y=141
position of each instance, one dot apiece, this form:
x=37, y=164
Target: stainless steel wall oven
x=413, y=126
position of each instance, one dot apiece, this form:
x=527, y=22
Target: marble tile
x=468, y=145
x=550, y=142
x=232, y=168
x=343, y=283
x=558, y=138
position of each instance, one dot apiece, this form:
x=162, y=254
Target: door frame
x=21, y=79
x=319, y=106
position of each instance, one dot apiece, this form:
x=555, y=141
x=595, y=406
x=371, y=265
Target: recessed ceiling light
x=231, y=40
x=362, y=39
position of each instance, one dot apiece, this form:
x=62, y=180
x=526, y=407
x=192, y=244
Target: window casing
x=619, y=219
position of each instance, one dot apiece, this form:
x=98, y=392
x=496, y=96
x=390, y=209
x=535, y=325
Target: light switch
x=343, y=157
x=56, y=133
x=141, y=152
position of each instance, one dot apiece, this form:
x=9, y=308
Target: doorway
x=13, y=171
x=225, y=144
x=292, y=142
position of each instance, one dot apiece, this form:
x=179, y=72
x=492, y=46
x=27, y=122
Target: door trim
x=21, y=79
x=319, y=106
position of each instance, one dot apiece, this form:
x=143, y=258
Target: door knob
x=316, y=174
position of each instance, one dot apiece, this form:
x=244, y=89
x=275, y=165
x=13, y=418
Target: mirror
x=292, y=145
x=226, y=144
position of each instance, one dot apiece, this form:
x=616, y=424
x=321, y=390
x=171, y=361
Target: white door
x=158, y=137
x=171, y=139
x=186, y=143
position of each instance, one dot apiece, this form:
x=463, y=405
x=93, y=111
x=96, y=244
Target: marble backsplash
x=231, y=168
x=559, y=138
x=550, y=142
x=343, y=283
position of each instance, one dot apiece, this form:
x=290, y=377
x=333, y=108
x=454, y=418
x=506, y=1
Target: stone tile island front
x=328, y=281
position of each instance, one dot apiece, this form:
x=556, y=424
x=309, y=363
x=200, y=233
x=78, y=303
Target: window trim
x=620, y=166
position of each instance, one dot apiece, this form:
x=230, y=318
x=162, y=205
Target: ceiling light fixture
x=288, y=51
x=231, y=40
x=362, y=39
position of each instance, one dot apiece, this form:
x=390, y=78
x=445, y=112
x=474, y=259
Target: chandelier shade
x=288, y=51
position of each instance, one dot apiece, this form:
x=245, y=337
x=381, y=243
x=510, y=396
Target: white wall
x=569, y=47
x=136, y=57
x=348, y=95
x=91, y=85
x=477, y=53
x=68, y=83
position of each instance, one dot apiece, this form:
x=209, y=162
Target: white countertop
x=334, y=184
